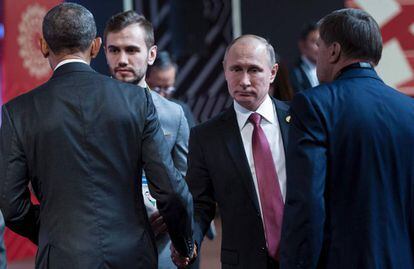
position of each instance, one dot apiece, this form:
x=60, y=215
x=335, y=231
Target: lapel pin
x=288, y=119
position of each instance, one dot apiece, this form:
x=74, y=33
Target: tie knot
x=255, y=118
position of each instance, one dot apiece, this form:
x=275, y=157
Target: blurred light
x=1, y=31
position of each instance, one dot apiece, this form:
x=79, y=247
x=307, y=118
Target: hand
x=157, y=223
x=180, y=261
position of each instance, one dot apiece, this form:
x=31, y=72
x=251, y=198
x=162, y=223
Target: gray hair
x=269, y=48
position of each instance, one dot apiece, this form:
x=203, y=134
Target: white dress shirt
x=310, y=71
x=69, y=61
x=271, y=128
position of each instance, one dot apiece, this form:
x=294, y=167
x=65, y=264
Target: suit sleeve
x=180, y=149
x=200, y=184
x=20, y=215
x=165, y=183
x=304, y=214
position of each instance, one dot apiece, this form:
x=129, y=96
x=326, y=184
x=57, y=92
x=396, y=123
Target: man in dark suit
x=229, y=163
x=81, y=139
x=303, y=74
x=350, y=161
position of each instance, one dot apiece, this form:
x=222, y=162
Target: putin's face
x=248, y=72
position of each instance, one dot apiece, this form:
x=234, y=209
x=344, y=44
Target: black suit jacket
x=218, y=171
x=81, y=140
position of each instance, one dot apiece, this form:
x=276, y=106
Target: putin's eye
x=235, y=69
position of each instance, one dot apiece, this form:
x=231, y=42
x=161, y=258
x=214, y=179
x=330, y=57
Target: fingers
x=162, y=228
x=157, y=223
x=154, y=216
x=179, y=261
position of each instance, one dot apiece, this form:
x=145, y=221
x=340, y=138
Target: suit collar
x=359, y=73
x=72, y=67
x=69, y=61
x=282, y=111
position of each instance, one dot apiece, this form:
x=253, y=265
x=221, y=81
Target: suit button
x=262, y=249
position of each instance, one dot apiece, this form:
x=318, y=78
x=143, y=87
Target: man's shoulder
x=162, y=104
x=217, y=121
x=23, y=99
x=282, y=105
x=98, y=81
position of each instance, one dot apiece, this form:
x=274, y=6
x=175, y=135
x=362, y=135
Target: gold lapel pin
x=288, y=119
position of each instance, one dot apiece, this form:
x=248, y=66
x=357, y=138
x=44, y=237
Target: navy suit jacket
x=350, y=177
x=218, y=172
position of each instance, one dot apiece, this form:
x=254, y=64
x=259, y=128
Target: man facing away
x=237, y=160
x=303, y=75
x=350, y=172
x=129, y=49
x=82, y=139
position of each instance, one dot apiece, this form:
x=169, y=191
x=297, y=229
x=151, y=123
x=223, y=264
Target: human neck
x=55, y=59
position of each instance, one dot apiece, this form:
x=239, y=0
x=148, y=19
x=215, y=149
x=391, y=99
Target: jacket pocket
x=229, y=257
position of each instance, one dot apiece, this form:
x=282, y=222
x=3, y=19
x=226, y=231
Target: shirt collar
x=266, y=110
x=69, y=61
x=308, y=64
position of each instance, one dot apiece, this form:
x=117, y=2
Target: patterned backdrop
x=396, y=19
x=198, y=43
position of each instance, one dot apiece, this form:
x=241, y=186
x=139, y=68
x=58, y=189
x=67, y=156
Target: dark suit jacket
x=298, y=77
x=81, y=140
x=219, y=172
x=350, y=177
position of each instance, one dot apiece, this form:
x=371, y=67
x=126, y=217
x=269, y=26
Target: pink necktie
x=270, y=195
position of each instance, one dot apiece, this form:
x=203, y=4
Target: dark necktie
x=270, y=195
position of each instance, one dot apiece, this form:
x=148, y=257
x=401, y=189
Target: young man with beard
x=129, y=49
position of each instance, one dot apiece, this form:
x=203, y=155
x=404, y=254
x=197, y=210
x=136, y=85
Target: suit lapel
x=282, y=111
x=234, y=143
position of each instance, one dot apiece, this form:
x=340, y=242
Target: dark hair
x=122, y=20
x=307, y=29
x=69, y=28
x=356, y=31
x=162, y=62
x=269, y=48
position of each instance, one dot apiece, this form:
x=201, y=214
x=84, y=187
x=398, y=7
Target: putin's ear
x=273, y=72
x=334, y=52
x=95, y=47
x=44, y=47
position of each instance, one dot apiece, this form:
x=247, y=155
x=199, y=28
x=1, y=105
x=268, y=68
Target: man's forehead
x=133, y=32
x=249, y=43
x=242, y=53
